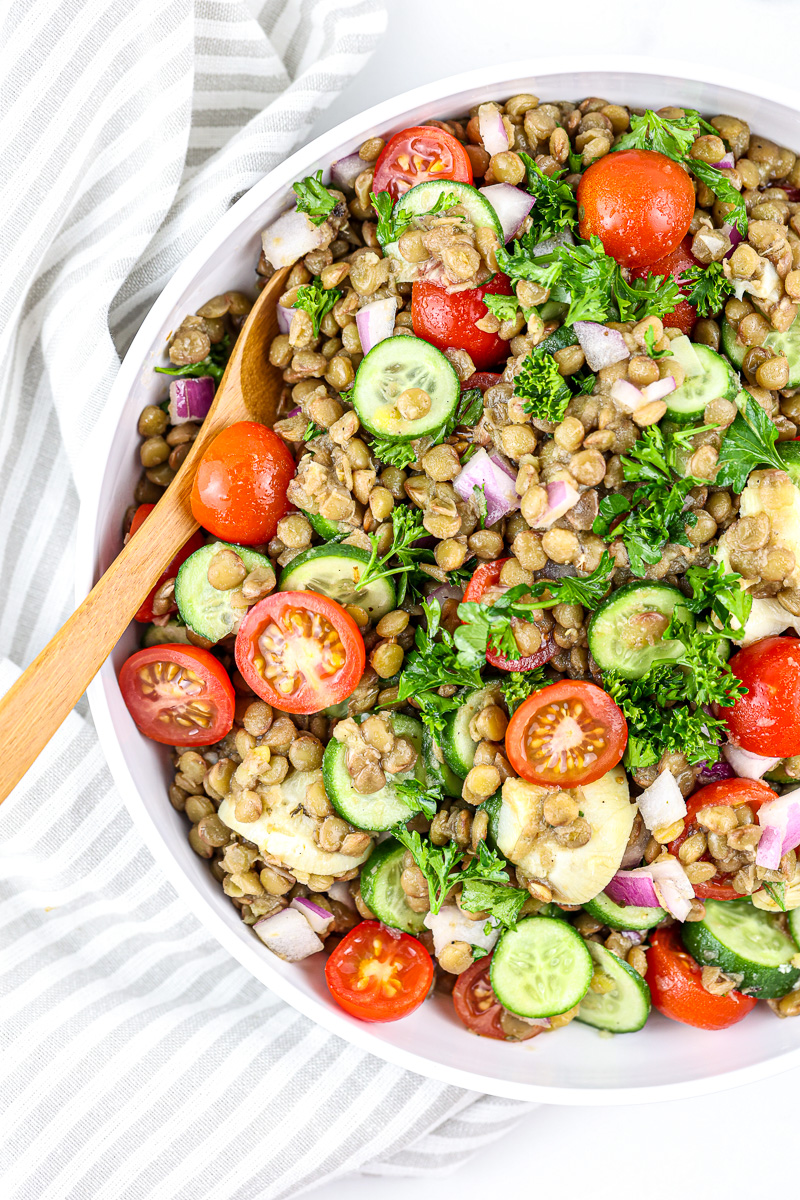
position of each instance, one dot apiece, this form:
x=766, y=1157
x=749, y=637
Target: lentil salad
x=466, y=704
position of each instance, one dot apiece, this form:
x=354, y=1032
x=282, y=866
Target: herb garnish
x=313, y=198
x=722, y=594
x=555, y=208
x=214, y=364
x=503, y=903
x=316, y=300
x=439, y=864
x=543, y=388
x=516, y=686
x=750, y=442
x=710, y=288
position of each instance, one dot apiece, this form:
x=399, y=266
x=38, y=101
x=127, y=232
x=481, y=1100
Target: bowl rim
x=385, y=113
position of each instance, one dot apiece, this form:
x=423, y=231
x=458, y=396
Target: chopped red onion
x=634, y=851
x=627, y=395
x=633, y=889
x=602, y=346
x=780, y=822
x=340, y=891
x=726, y=161
x=375, y=322
x=659, y=389
x=561, y=497
x=288, y=934
x=662, y=884
x=284, y=316
x=637, y=936
x=346, y=171
x=291, y=237
x=450, y=924
x=712, y=772
x=498, y=486
x=662, y=803
x=511, y=205
x=492, y=130
x=190, y=399
x=746, y=764
x=446, y=591
x=294, y=411
x=734, y=235
x=318, y=917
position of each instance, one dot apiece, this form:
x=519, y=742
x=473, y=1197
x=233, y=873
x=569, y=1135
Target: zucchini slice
x=334, y=571
x=744, y=940
x=205, y=609
x=622, y=1010
x=626, y=632
x=393, y=366
x=541, y=968
x=374, y=811
x=718, y=381
x=458, y=746
x=382, y=889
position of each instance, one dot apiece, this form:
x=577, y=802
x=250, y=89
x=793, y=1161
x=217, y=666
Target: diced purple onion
x=602, y=346
x=340, y=891
x=780, y=823
x=318, y=917
x=346, y=171
x=734, y=235
x=294, y=411
x=662, y=884
x=627, y=395
x=746, y=764
x=634, y=851
x=284, y=318
x=375, y=322
x=497, y=484
x=662, y=803
x=288, y=934
x=511, y=205
x=561, y=497
x=712, y=772
x=446, y=591
x=659, y=389
x=637, y=936
x=725, y=162
x=633, y=889
x=492, y=130
x=291, y=237
x=190, y=399
x=450, y=924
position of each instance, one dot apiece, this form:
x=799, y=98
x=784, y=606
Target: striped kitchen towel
x=137, y=1059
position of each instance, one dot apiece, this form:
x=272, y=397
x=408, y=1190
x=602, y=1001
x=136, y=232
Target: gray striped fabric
x=138, y=1059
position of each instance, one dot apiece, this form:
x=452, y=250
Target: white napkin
x=137, y=1059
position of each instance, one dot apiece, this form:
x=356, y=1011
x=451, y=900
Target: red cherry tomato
x=566, y=734
x=146, y=613
x=379, y=974
x=767, y=719
x=638, y=202
x=239, y=491
x=475, y=1002
x=484, y=588
x=448, y=319
x=178, y=695
x=728, y=793
x=482, y=380
x=418, y=154
x=684, y=315
x=300, y=651
x=674, y=979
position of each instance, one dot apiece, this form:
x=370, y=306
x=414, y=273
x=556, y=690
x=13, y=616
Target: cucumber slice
x=325, y=528
x=744, y=940
x=619, y=916
x=627, y=1007
x=458, y=746
x=383, y=892
x=541, y=968
x=438, y=770
x=377, y=810
x=683, y=351
x=734, y=349
x=718, y=381
x=788, y=343
x=395, y=364
x=205, y=609
x=334, y=571
x=793, y=921
x=626, y=632
x=424, y=197
x=171, y=634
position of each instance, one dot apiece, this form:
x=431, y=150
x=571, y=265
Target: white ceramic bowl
x=577, y=1066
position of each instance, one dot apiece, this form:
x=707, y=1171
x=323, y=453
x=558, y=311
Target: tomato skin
x=217, y=693
x=417, y=154
x=448, y=319
x=729, y=793
x=684, y=315
x=674, y=977
x=475, y=1002
x=597, y=703
x=486, y=576
x=371, y=942
x=482, y=380
x=767, y=719
x=146, y=613
x=310, y=696
x=239, y=491
x=638, y=202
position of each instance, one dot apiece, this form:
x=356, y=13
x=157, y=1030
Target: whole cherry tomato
x=146, y=613
x=379, y=974
x=178, y=695
x=767, y=719
x=239, y=491
x=566, y=734
x=729, y=793
x=484, y=588
x=684, y=315
x=449, y=319
x=674, y=979
x=300, y=652
x=418, y=154
x=638, y=202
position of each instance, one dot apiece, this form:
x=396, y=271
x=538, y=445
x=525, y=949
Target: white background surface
x=606, y=1154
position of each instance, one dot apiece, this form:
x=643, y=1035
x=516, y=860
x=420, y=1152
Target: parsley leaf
x=587, y=590
x=543, y=388
x=439, y=864
x=316, y=300
x=479, y=493
x=468, y=411
x=750, y=442
x=776, y=892
x=709, y=288
x=503, y=307
x=393, y=454
x=672, y=136
x=555, y=208
x=478, y=952
x=407, y=528
x=313, y=198
x=518, y=263
x=504, y=903
x=650, y=344
x=313, y=431
x=725, y=192
x=516, y=686
x=214, y=364
x=434, y=664
x=722, y=594
x=425, y=798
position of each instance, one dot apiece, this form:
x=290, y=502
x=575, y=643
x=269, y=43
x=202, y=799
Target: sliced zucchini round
x=734, y=349
x=325, y=528
x=788, y=344
x=744, y=940
x=334, y=571
x=425, y=197
x=626, y=1007
x=382, y=889
x=205, y=609
x=438, y=769
x=541, y=968
x=619, y=916
x=458, y=746
x=393, y=366
x=626, y=633
x=374, y=811
x=171, y=634
x=718, y=381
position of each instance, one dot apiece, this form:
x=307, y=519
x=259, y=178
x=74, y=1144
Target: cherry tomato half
x=146, y=613
x=300, y=651
x=727, y=793
x=767, y=719
x=418, y=154
x=638, y=202
x=379, y=974
x=684, y=315
x=484, y=588
x=566, y=734
x=482, y=380
x=674, y=979
x=448, y=319
x=239, y=491
x=475, y=1002
x=178, y=695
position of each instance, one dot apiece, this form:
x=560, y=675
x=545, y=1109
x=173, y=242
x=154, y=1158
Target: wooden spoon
x=35, y=706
